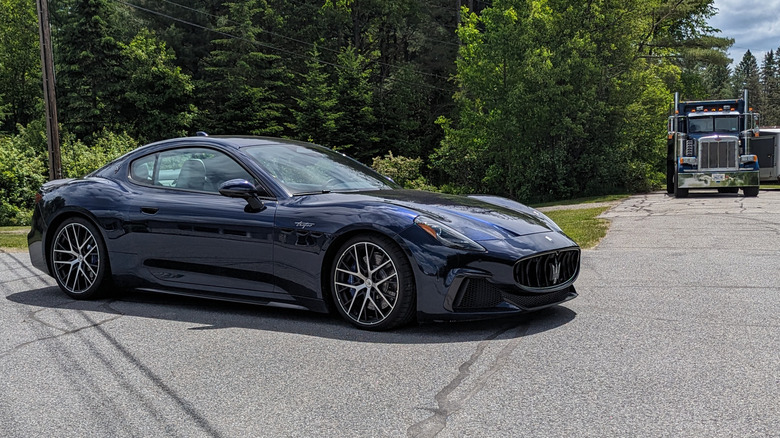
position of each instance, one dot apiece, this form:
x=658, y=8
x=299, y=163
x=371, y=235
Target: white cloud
x=754, y=25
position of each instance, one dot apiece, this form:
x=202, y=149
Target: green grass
x=13, y=237
x=583, y=225
x=591, y=200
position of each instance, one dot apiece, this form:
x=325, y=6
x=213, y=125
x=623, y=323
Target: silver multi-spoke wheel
x=366, y=283
x=77, y=259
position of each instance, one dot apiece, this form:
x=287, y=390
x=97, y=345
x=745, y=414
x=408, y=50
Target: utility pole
x=49, y=96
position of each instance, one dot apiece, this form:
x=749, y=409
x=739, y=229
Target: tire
x=670, y=167
x=79, y=259
x=372, y=283
x=728, y=190
x=750, y=192
x=681, y=193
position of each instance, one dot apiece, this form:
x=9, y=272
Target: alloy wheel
x=76, y=258
x=366, y=283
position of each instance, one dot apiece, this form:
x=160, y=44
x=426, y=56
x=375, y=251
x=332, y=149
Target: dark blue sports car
x=292, y=224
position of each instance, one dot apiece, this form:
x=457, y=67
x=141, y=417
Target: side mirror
x=241, y=188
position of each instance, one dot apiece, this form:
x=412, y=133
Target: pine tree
x=770, y=89
x=746, y=77
x=355, y=128
x=88, y=59
x=315, y=114
x=242, y=85
x=156, y=102
x=20, y=64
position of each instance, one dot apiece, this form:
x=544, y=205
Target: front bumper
x=715, y=179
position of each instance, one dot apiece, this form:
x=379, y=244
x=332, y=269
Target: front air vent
x=718, y=154
x=549, y=270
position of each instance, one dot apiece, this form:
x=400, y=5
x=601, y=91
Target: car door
x=187, y=235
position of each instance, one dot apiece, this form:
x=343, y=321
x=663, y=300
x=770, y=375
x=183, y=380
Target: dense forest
x=531, y=99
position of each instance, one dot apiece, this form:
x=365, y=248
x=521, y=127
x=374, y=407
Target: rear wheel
x=79, y=259
x=372, y=283
x=750, y=192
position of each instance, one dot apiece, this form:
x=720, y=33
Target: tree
x=770, y=89
x=355, y=127
x=156, y=95
x=88, y=56
x=746, y=77
x=316, y=112
x=20, y=64
x=242, y=85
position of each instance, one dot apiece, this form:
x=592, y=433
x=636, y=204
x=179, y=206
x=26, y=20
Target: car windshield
x=306, y=169
x=713, y=124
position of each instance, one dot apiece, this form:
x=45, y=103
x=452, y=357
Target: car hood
x=479, y=217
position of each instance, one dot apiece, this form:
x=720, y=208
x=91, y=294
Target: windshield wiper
x=314, y=192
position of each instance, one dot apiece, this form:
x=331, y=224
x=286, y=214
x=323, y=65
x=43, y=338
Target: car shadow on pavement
x=205, y=314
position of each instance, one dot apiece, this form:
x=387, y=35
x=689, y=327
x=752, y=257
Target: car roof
x=238, y=141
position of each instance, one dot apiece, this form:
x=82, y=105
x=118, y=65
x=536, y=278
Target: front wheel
x=79, y=259
x=750, y=192
x=372, y=283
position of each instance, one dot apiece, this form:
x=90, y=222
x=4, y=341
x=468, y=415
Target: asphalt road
x=675, y=333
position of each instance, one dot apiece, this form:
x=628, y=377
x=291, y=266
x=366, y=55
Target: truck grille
x=718, y=154
x=548, y=270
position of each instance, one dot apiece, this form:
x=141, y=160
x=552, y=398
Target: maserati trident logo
x=555, y=269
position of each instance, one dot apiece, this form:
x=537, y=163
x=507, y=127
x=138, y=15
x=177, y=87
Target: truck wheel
x=750, y=192
x=680, y=193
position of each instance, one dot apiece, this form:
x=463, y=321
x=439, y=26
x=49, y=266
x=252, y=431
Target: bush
x=79, y=159
x=22, y=172
x=403, y=170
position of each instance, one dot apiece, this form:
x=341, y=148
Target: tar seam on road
x=431, y=426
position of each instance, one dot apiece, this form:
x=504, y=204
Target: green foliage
x=88, y=56
x=316, y=112
x=156, y=94
x=20, y=64
x=242, y=85
x=355, y=128
x=403, y=170
x=21, y=174
x=78, y=159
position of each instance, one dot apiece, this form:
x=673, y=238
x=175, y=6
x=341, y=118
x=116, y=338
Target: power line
x=276, y=34
x=269, y=46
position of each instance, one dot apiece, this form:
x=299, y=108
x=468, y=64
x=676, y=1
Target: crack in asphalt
x=449, y=404
x=63, y=332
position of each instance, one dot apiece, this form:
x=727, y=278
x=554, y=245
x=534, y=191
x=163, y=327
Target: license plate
x=718, y=177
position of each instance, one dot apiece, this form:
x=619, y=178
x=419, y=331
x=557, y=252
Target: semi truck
x=709, y=147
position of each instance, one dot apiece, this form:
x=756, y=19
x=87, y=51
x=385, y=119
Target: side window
x=141, y=170
x=198, y=169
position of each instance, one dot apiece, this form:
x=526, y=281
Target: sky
x=754, y=25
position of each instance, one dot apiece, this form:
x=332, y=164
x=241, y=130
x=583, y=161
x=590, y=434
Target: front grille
x=718, y=154
x=533, y=300
x=477, y=293
x=548, y=270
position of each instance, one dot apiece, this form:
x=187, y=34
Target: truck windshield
x=713, y=124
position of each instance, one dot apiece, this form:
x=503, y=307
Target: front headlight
x=446, y=235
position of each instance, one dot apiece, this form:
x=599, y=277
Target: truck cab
x=708, y=147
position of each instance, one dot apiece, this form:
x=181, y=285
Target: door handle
x=149, y=210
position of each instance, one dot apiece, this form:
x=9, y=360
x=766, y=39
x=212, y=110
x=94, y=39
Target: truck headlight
x=691, y=161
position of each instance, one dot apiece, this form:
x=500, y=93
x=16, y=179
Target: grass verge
x=14, y=238
x=582, y=225
x=591, y=200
